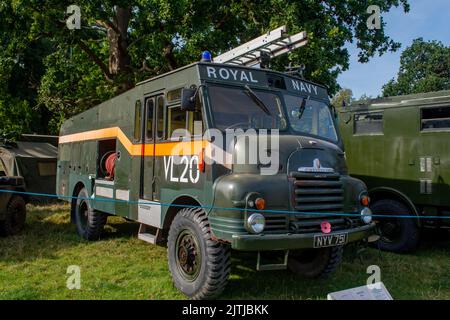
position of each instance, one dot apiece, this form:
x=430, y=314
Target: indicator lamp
x=365, y=200
x=260, y=203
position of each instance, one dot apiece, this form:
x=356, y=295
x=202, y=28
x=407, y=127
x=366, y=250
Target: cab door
x=153, y=131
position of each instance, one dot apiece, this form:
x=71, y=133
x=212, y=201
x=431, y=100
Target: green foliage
x=124, y=41
x=365, y=98
x=15, y=114
x=343, y=97
x=15, y=117
x=424, y=67
x=71, y=85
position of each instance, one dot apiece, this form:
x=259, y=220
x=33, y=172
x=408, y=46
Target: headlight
x=366, y=215
x=256, y=223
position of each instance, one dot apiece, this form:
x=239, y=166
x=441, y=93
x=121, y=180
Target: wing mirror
x=188, y=96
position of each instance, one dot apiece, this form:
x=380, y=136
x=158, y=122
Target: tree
x=124, y=41
x=424, y=67
x=365, y=98
x=15, y=114
x=343, y=97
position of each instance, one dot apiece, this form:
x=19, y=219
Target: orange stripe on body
x=148, y=149
x=90, y=135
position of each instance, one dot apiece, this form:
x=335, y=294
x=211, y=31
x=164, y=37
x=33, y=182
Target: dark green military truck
x=124, y=158
x=400, y=147
x=12, y=206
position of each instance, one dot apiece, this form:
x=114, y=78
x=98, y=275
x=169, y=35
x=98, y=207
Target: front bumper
x=292, y=241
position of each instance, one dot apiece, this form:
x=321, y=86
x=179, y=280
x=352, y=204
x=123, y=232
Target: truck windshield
x=316, y=118
x=241, y=108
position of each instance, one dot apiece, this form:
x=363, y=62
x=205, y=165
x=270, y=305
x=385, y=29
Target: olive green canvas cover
x=35, y=161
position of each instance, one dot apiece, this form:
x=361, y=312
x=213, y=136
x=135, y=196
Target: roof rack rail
x=272, y=44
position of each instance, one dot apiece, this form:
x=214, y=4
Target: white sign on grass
x=376, y=291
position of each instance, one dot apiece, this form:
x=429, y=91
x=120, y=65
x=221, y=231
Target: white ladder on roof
x=274, y=43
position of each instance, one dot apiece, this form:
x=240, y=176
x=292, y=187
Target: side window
x=435, y=118
x=176, y=119
x=137, y=120
x=160, y=118
x=174, y=95
x=149, y=106
x=368, y=123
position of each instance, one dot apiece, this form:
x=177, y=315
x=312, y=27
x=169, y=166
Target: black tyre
x=315, y=263
x=15, y=217
x=89, y=222
x=400, y=235
x=200, y=266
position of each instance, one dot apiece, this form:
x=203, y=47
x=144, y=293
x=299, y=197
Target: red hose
x=110, y=165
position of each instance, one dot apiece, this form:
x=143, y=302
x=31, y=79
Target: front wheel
x=397, y=234
x=315, y=263
x=200, y=266
x=15, y=217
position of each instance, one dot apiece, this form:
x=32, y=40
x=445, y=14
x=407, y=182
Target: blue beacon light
x=206, y=56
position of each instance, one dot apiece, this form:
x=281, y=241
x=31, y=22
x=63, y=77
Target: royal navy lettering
x=304, y=87
x=231, y=74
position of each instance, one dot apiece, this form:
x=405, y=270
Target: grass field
x=33, y=265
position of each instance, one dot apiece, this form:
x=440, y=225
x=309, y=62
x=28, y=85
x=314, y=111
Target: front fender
x=231, y=190
x=230, y=193
x=353, y=188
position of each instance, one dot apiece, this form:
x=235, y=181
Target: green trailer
x=400, y=147
x=122, y=158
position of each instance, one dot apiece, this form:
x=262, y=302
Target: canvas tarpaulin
x=35, y=161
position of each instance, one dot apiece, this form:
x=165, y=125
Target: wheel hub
x=84, y=213
x=390, y=230
x=188, y=256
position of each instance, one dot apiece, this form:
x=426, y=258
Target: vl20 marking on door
x=189, y=168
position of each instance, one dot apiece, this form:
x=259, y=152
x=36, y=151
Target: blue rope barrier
x=218, y=208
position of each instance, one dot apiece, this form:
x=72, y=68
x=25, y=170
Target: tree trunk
x=119, y=58
x=168, y=54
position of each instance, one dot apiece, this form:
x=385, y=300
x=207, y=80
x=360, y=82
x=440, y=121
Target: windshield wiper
x=301, y=110
x=258, y=101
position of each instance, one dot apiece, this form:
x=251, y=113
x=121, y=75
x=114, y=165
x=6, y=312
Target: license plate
x=330, y=240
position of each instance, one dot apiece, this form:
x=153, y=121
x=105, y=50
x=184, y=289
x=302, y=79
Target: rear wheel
x=89, y=222
x=400, y=235
x=315, y=263
x=15, y=217
x=200, y=266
